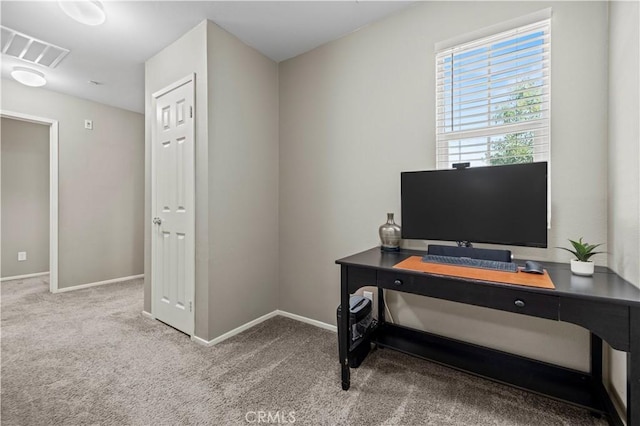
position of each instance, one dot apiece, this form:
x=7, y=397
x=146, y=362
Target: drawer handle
x=398, y=282
x=519, y=303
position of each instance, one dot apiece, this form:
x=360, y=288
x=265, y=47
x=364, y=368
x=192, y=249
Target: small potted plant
x=583, y=251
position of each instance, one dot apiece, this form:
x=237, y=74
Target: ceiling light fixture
x=88, y=12
x=28, y=77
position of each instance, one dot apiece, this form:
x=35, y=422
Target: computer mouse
x=533, y=267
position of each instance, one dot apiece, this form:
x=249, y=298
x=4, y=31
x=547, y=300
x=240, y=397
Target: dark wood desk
x=605, y=304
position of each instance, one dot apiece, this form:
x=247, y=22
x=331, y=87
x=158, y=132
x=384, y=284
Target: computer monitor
x=504, y=205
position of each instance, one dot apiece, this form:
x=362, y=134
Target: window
x=492, y=99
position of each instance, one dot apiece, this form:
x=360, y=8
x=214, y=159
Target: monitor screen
x=499, y=205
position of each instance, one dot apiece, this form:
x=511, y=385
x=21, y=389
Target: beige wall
x=356, y=112
x=624, y=156
x=101, y=183
x=236, y=175
x=624, y=133
x=243, y=182
x=24, y=150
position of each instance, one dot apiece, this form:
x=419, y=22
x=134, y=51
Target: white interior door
x=173, y=171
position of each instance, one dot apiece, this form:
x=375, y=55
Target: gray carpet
x=89, y=357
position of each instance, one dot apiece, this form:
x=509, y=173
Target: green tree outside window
x=516, y=147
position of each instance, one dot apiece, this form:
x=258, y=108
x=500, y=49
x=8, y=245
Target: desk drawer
x=524, y=302
x=473, y=293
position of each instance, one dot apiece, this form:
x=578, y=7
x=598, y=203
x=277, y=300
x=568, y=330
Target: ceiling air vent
x=30, y=49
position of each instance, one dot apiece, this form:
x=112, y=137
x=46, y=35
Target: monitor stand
x=468, y=251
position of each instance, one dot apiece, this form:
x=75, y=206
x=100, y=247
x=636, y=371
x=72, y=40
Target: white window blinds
x=493, y=99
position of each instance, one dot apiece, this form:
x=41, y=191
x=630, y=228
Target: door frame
x=53, y=188
x=154, y=136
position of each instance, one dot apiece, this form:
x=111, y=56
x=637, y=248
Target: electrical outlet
x=368, y=295
x=22, y=255
x=88, y=124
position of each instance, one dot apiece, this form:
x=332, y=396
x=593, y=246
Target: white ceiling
x=114, y=52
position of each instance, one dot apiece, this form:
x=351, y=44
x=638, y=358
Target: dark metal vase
x=390, y=234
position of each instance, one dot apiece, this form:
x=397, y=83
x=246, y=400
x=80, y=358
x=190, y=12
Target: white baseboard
x=235, y=331
x=308, y=321
x=21, y=277
x=148, y=315
x=115, y=280
x=201, y=341
x=255, y=322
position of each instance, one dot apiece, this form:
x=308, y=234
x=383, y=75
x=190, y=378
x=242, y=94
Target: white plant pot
x=584, y=269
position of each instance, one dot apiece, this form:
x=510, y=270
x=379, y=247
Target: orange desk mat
x=415, y=263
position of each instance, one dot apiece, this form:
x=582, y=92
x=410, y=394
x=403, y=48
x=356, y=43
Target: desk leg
x=380, y=306
x=633, y=369
x=343, y=327
x=596, y=358
x=596, y=365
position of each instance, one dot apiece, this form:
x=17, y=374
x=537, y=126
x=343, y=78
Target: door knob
x=157, y=221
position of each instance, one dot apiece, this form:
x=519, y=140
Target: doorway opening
x=53, y=189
